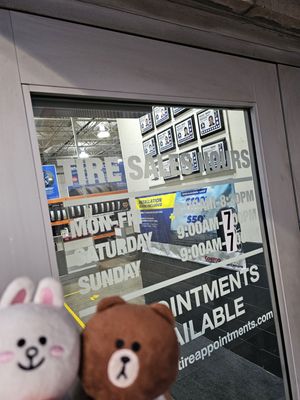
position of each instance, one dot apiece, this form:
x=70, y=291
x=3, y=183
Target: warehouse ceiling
x=68, y=137
x=69, y=126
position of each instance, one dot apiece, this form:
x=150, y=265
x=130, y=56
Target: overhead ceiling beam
x=68, y=141
x=188, y=22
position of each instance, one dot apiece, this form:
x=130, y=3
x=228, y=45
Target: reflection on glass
x=159, y=204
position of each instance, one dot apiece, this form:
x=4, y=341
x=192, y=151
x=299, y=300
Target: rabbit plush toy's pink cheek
x=6, y=356
x=57, y=351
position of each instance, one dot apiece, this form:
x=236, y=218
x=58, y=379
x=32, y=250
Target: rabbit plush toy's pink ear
x=18, y=291
x=49, y=292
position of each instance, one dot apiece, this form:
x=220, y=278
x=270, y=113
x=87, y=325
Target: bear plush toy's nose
x=125, y=359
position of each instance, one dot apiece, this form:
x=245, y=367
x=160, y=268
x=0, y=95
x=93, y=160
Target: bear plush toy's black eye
x=135, y=346
x=21, y=342
x=119, y=343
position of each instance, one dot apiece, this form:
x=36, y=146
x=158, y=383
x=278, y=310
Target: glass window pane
x=160, y=203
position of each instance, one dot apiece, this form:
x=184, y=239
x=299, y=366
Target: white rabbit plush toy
x=39, y=343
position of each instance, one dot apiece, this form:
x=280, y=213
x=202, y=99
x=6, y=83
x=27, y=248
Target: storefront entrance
x=162, y=203
x=161, y=173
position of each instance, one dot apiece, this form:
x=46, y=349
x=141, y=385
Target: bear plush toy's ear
x=18, y=291
x=109, y=302
x=163, y=311
x=49, y=292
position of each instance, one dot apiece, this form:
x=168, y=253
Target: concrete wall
x=277, y=13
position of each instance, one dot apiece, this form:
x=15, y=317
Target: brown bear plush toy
x=130, y=352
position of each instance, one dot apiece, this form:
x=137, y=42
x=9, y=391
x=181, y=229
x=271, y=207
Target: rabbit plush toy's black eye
x=43, y=340
x=21, y=342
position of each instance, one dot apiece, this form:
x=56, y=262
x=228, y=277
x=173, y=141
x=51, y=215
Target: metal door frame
x=245, y=83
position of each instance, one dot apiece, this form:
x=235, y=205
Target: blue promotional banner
x=51, y=182
x=157, y=214
x=199, y=225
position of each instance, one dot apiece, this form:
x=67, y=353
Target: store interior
x=147, y=147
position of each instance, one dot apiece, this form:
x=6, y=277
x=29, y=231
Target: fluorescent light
x=103, y=131
x=103, y=134
x=83, y=154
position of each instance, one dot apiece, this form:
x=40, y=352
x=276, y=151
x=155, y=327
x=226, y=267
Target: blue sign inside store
x=51, y=182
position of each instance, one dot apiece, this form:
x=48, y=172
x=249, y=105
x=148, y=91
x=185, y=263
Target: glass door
x=161, y=202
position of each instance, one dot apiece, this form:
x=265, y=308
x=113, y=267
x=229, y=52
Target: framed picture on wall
x=213, y=152
x=210, y=122
x=178, y=110
x=146, y=123
x=189, y=157
x=161, y=115
x=150, y=147
x=165, y=140
x=167, y=170
x=185, y=131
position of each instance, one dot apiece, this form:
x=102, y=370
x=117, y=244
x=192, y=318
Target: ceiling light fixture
x=103, y=131
x=83, y=154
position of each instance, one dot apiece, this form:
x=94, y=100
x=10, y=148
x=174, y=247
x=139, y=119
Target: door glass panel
x=161, y=203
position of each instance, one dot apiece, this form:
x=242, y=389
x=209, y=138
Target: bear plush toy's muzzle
x=123, y=368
